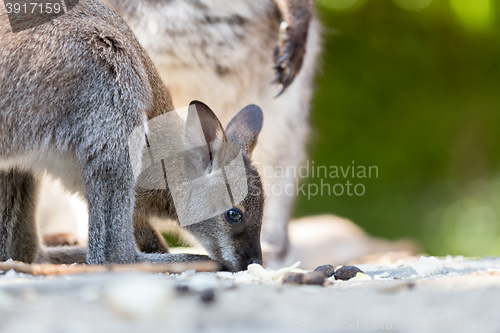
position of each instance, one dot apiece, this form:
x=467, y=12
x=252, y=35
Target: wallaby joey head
x=211, y=187
x=81, y=100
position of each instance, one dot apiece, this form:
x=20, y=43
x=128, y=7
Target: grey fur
x=223, y=53
x=246, y=124
x=73, y=90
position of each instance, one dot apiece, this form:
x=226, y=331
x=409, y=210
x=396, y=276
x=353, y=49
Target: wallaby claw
x=282, y=59
x=288, y=56
x=276, y=79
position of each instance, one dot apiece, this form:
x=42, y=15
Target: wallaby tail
x=63, y=255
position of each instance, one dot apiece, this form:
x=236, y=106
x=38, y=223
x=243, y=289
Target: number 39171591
x=34, y=8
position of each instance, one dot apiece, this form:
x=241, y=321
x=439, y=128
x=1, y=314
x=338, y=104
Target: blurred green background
x=412, y=87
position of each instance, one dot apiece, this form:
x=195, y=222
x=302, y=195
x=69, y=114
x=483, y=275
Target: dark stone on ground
x=293, y=278
x=328, y=270
x=346, y=273
x=314, y=278
x=207, y=296
x=181, y=288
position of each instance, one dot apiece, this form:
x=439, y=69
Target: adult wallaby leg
x=284, y=148
x=109, y=190
x=18, y=231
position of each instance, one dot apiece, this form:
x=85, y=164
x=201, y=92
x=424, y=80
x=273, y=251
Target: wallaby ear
x=245, y=127
x=200, y=113
x=203, y=137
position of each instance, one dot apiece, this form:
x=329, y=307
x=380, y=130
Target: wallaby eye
x=234, y=215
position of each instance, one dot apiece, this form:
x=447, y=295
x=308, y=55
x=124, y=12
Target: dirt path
x=463, y=296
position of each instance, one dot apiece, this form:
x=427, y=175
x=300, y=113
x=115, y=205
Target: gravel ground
x=431, y=295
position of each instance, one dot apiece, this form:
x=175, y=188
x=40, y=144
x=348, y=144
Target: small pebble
x=207, y=296
x=328, y=270
x=314, y=278
x=427, y=266
x=181, y=288
x=293, y=278
x=346, y=273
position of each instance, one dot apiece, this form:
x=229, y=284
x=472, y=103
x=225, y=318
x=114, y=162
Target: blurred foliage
x=173, y=238
x=412, y=86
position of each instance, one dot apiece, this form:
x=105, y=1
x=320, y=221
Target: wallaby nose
x=255, y=261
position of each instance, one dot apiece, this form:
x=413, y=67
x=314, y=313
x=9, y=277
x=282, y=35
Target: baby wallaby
x=78, y=96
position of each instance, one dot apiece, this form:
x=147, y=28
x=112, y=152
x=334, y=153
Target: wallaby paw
x=288, y=55
x=63, y=255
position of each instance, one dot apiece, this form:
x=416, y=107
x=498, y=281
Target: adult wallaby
x=73, y=91
x=223, y=53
